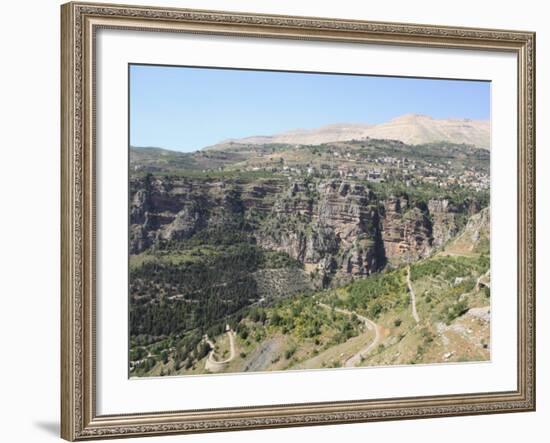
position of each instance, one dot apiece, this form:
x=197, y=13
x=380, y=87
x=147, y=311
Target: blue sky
x=187, y=109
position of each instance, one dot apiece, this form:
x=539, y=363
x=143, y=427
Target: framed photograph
x=282, y=221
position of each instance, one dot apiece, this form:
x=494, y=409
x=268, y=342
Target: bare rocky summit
x=410, y=128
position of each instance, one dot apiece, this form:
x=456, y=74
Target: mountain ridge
x=409, y=128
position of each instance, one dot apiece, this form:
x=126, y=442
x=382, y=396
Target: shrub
x=243, y=333
x=275, y=319
x=456, y=310
x=290, y=352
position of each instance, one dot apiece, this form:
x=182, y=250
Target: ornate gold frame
x=79, y=22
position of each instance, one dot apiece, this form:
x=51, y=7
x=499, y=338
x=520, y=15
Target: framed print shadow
x=277, y=221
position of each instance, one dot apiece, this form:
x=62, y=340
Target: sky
x=186, y=109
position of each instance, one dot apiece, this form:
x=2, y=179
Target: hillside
x=277, y=256
x=367, y=322
x=372, y=160
x=412, y=129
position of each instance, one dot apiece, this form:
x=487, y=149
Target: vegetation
x=219, y=273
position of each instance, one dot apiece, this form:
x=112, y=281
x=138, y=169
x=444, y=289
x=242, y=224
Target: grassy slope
x=297, y=333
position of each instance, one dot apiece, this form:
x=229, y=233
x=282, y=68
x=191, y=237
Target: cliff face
x=337, y=229
x=172, y=208
x=333, y=227
x=475, y=237
x=407, y=231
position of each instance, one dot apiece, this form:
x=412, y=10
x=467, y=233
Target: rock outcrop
x=334, y=225
x=475, y=236
x=337, y=229
x=407, y=231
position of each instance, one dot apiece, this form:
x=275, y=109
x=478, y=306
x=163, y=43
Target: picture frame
x=80, y=242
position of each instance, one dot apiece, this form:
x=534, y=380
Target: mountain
x=261, y=274
x=417, y=129
x=410, y=128
x=274, y=256
x=324, y=134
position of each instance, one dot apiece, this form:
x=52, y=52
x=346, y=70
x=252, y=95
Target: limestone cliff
x=337, y=229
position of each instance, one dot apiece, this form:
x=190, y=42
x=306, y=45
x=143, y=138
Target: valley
x=259, y=256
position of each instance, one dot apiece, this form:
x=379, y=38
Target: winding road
x=370, y=325
x=214, y=365
x=413, y=295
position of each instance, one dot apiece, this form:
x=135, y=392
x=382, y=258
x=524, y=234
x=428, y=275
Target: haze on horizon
x=186, y=109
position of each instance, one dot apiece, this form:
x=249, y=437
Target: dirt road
x=355, y=359
x=214, y=365
x=413, y=295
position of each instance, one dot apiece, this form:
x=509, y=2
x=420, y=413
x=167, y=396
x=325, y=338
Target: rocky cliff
x=337, y=229
x=165, y=209
x=332, y=226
